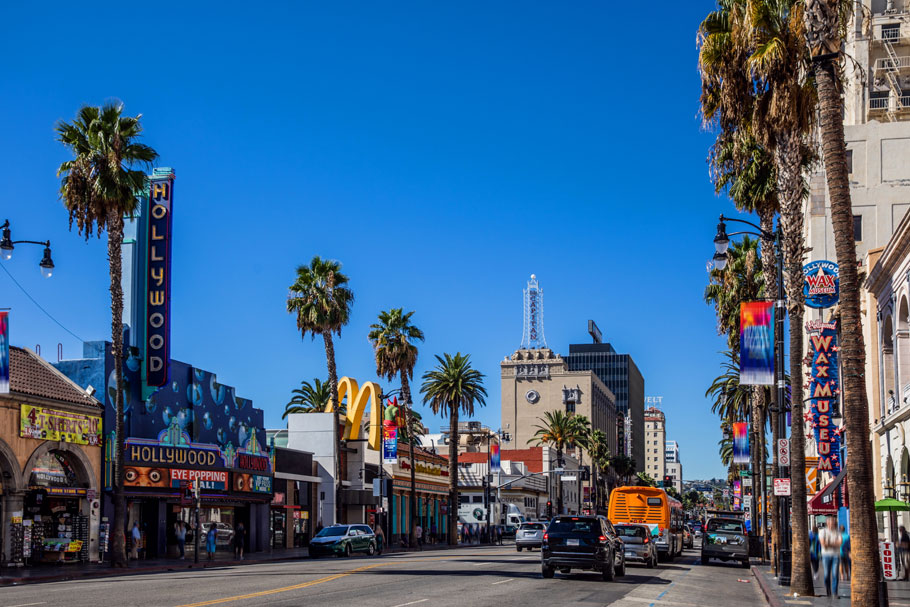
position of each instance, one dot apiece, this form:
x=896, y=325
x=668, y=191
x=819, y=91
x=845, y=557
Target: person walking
x=831, y=541
x=903, y=544
x=136, y=537
x=464, y=534
x=211, y=539
x=418, y=531
x=814, y=551
x=239, y=533
x=434, y=532
x=180, y=534
x=845, y=562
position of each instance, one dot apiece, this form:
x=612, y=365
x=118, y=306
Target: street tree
x=309, y=398
x=559, y=430
x=100, y=186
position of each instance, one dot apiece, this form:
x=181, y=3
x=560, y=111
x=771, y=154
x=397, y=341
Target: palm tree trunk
x=114, y=242
x=558, y=480
x=333, y=382
x=775, y=515
x=453, y=474
x=863, y=532
x=406, y=395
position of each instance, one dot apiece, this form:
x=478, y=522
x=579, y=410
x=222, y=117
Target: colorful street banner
x=389, y=443
x=821, y=284
x=737, y=495
x=494, y=458
x=823, y=390
x=64, y=426
x=741, y=443
x=4, y=352
x=756, y=343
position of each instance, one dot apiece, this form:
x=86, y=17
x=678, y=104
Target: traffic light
x=668, y=481
x=549, y=509
x=586, y=473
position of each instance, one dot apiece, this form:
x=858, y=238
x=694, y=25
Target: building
x=50, y=466
x=621, y=375
x=512, y=485
x=655, y=443
x=541, y=462
x=295, y=494
x=673, y=465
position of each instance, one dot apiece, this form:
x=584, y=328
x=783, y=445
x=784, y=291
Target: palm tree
x=825, y=26
x=558, y=430
x=450, y=388
x=310, y=398
x=321, y=302
x=393, y=340
x=98, y=187
x=624, y=466
x=599, y=451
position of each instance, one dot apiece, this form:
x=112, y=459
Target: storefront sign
x=4, y=352
x=55, y=425
x=821, y=283
x=208, y=479
x=64, y=491
x=889, y=560
x=168, y=455
x=358, y=399
x=252, y=483
x=389, y=443
x=158, y=279
x=257, y=463
x=824, y=390
x=756, y=343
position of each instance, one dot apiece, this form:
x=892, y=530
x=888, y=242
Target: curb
x=772, y=599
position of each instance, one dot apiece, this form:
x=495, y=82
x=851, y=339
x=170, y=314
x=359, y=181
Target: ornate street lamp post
x=7, y=245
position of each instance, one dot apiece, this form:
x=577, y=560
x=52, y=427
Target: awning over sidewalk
x=825, y=502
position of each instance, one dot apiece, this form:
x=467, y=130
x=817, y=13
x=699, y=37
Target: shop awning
x=824, y=501
x=298, y=477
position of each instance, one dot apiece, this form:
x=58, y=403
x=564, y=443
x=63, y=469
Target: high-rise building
x=673, y=465
x=655, y=443
x=619, y=373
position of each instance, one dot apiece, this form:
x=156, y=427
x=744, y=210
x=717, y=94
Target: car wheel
x=347, y=550
x=546, y=572
x=518, y=548
x=745, y=564
x=608, y=573
x=372, y=549
x=621, y=570
x=565, y=570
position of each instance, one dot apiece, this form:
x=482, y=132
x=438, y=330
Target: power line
x=48, y=314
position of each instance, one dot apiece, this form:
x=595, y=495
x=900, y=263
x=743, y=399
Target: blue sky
x=442, y=151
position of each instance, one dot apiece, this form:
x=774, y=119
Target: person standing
x=180, y=533
x=380, y=538
x=831, y=541
x=418, y=530
x=239, y=533
x=211, y=541
x=434, y=532
x=844, y=553
x=136, y=538
x=904, y=552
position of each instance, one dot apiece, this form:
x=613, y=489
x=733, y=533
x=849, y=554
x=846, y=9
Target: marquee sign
x=168, y=455
x=158, y=278
x=823, y=391
x=821, y=283
x=208, y=479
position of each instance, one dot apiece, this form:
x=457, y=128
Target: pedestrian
x=418, y=531
x=464, y=534
x=136, y=537
x=211, y=540
x=380, y=538
x=434, y=532
x=845, y=562
x=180, y=533
x=904, y=552
x=831, y=541
x=499, y=534
x=813, y=551
x=239, y=533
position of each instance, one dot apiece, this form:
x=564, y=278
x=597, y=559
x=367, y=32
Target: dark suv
x=582, y=542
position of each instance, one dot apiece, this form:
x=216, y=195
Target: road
x=480, y=576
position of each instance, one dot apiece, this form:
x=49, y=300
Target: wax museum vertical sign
x=756, y=344
x=4, y=352
x=824, y=390
x=158, y=278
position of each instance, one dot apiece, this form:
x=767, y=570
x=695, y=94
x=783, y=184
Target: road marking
x=503, y=581
x=479, y=564
x=29, y=604
x=412, y=603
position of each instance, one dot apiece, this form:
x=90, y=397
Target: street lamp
x=904, y=489
x=7, y=245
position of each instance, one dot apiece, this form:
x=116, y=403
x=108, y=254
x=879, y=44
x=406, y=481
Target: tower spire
x=532, y=336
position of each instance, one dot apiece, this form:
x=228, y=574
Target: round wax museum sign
x=821, y=283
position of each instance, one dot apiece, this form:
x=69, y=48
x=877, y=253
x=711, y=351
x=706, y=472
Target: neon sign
x=158, y=279
x=823, y=390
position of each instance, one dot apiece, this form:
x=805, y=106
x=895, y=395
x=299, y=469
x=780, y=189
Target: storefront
x=432, y=484
x=292, y=512
x=50, y=460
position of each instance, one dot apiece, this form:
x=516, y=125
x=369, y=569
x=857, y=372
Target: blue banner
x=390, y=444
x=756, y=343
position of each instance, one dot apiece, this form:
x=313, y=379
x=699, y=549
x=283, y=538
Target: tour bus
x=652, y=507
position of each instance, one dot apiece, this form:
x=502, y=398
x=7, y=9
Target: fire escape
x=891, y=67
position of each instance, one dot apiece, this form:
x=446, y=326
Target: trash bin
x=783, y=577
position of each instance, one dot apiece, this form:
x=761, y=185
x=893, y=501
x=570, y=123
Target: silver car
x=529, y=535
x=638, y=544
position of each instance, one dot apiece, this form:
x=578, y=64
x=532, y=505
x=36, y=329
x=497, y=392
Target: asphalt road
x=497, y=576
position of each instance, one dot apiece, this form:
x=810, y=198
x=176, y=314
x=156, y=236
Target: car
x=688, y=537
x=529, y=535
x=725, y=539
x=696, y=528
x=343, y=540
x=638, y=545
x=588, y=543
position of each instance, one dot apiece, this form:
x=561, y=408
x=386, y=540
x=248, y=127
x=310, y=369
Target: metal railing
x=884, y=103
x=889, y=35
x=887, y=63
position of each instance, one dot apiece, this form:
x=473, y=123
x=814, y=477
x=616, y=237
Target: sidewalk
x=781, y=596
x=11, y=576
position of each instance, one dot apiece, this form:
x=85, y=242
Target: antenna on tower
x=532, y=336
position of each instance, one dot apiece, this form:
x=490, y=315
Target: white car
x=529, y=535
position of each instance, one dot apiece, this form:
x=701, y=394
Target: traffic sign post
x=783, y=451
x=782, y=487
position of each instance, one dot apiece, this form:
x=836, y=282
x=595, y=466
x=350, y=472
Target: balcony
x=889, y=64
x=889, y=104
x=892, y=34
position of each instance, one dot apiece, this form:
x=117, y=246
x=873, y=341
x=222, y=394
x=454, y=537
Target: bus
x=652, y=507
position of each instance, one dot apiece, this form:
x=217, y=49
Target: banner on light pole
x=756, y=343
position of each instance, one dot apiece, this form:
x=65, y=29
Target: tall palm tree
x=451, y=388
x=393, y=340
x=321, y=303
x=825, y=27
x=623, y=466
x=559, y=430
x=310, y=398
x=98, y=187
x=599, y=450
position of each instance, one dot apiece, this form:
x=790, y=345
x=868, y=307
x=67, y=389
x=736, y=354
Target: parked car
x=343, y=540
x=725, y=539
x=529, y=535
x=638, y=545
x=688, y=537
x=582, y=542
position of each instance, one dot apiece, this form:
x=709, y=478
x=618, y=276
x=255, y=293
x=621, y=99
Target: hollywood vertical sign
x=823, y=391
x=158, y=278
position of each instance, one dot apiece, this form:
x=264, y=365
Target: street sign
x=726, y=493
x=569, y=479
x=744, y=473
x=747, y=501
x=747, y=482
x=782, y=487
x=783, y=451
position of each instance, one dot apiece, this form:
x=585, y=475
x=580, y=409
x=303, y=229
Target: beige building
x=538, y=380
x=655, y=444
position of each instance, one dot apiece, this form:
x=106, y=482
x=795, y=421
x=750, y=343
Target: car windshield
x=532, y=526
x=332, y=532
x=579, y=526
x=725, y=526
x=630, y=531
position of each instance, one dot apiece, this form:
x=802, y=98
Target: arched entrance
x=10, y=496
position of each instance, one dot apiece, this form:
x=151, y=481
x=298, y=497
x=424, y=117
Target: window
x=858, y=228
x=850, y=161
x=891, y=31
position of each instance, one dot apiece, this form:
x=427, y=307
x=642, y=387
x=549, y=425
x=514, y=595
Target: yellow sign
x=357, y=402
x=55, y=425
